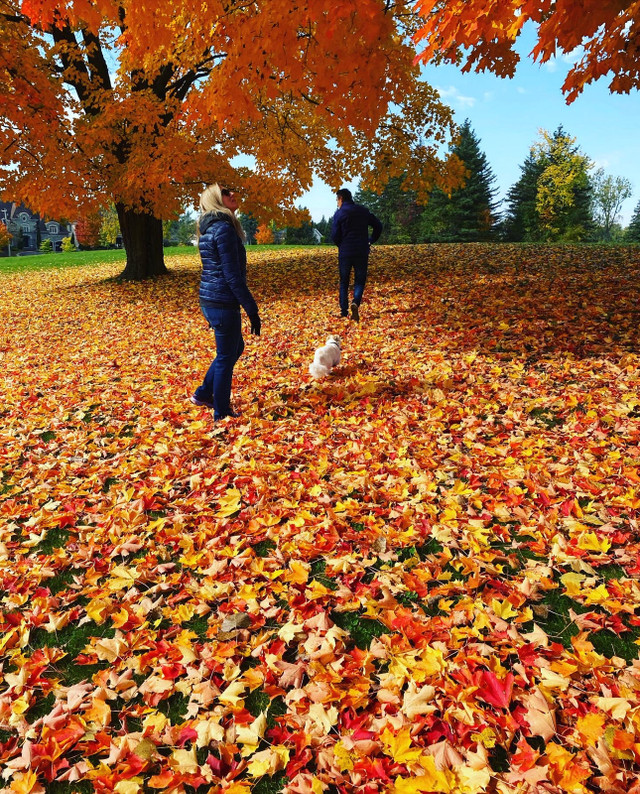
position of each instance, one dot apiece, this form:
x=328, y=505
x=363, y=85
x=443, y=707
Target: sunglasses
x=225, y=191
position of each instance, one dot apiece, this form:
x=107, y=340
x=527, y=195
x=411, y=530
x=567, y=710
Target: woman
x=223, y=290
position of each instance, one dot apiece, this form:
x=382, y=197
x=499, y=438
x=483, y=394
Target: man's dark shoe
x=355, y=312
x=201, y=403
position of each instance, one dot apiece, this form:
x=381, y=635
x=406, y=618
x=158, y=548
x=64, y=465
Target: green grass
x=24, y=264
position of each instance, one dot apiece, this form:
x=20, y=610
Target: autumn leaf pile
x=420, y=574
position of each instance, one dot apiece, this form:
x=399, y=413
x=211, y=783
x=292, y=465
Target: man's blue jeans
x=359, y=265
x=216, y=386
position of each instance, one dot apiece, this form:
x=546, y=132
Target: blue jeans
x=216, y=386
x=359, y=264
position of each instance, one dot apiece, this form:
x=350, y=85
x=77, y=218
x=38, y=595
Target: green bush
x=46, y=247
x=67, y=245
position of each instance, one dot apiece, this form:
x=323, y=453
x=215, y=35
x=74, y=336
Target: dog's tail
x=318, y=370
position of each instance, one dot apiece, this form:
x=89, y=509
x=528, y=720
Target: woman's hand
x=256, y=324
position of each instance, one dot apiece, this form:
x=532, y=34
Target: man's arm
x=336, y=231
x=376, y=226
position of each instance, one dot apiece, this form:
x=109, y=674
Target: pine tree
x=522, y=222
x=552, y=200
x=632, y=234
x=470, y=214
x=397, y=210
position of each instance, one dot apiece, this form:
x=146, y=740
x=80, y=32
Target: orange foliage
x=264, y=235
x=308, y=88
x=607, y=30
x=5, y=236
x=88, y=231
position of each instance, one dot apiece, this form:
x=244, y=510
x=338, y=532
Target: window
x=53, y=228
x=24, y=217
x=26, y=227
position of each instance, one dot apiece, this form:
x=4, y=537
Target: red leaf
x=494, y=691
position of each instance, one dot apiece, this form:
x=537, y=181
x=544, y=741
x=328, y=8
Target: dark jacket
x=224, y=264
x=350, y=229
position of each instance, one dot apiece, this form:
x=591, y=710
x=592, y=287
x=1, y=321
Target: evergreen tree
x=522, y=222
x=250, y=226
x=470, y=214
x=324, y=227
x=397, y=210
x=552, y=200
x=632, y=234
x=565, y=193
x=300, y=235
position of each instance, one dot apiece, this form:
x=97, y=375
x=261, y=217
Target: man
x=350, y=232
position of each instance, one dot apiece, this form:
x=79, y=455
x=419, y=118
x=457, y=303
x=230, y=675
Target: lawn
x=418, y=575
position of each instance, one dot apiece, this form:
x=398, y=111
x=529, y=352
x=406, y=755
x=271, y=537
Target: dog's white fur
x=326, y=357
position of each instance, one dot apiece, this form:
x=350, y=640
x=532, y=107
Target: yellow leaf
x=260, y=764
x=398, y=746
x=121, y=578
x=99, y=713
x=472, y=781
x=184, y=761
x=109, y=650
x=298, y=573
x=230, y=503
x=590, y=727
x=486, y=737
x=26, y=783
x=503, y=609
x=97, y=609
x=589, y=541
x=572, y=583
x=418, y=701
x=433, y=781
x=231, y=695
x=252, y=733
x=344, y=758
x=130, y=786
x=598, y=595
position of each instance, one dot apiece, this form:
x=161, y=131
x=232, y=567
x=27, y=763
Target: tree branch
x=72, y=61
x=96, y=59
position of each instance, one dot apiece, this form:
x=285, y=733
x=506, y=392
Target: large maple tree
x=480, y=34
x=141, y=103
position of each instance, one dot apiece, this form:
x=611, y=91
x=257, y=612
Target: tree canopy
x=633, y=229
x=480, y=35
x=470, y=213
x=467, y=214
x=552, y=200
x=143, y=104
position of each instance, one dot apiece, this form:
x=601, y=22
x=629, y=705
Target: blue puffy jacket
x=350, y=229
x=224, y=265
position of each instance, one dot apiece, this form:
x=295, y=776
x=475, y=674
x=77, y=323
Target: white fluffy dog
x=326, y=357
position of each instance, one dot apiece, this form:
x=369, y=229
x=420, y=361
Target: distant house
x=29, y=230
x=317, y=235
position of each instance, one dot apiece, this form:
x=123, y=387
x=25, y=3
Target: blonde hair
x=211, y=201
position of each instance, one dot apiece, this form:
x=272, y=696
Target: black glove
x=256, y=324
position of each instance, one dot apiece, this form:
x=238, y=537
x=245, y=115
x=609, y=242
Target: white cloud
x=452, y=96
x=601, y=162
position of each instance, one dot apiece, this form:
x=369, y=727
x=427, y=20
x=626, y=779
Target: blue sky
x=506, y=114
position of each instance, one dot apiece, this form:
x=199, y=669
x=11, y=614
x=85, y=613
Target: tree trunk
x=142, y=240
